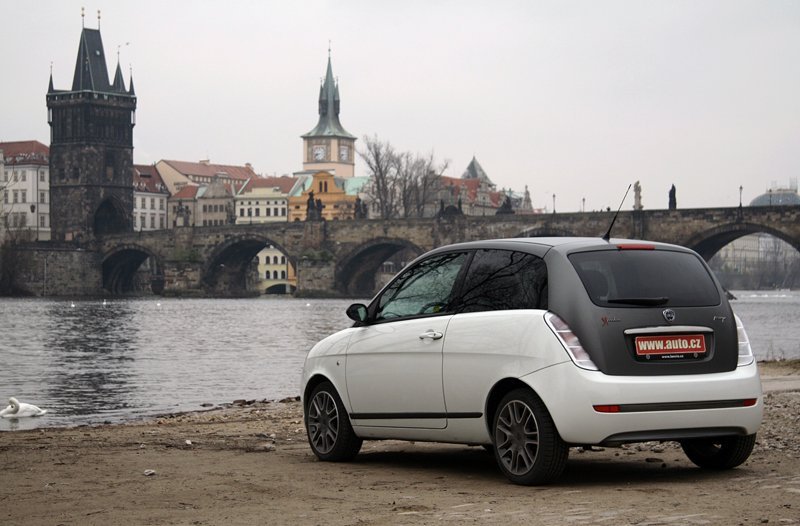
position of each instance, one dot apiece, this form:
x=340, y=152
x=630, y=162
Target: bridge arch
x=226, y=271
x=120, y=267
x=354, y=275
x=709, y=242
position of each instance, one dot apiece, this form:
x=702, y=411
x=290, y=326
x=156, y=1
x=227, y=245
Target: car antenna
x=607, y=235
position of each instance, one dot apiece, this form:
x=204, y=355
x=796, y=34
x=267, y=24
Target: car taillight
x=745, y=351
x=570, y=341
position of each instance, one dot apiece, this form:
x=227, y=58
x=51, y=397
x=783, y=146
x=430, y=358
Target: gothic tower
x=328, y=146
x=91, y=148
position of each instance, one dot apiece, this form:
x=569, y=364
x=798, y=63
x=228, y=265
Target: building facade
x=150, y=198
x=91, y=148
x=25, y=185
x=324, y=196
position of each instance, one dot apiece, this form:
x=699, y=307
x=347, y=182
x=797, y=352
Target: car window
x=502, y=280
x=625, y=278
x=425, y=288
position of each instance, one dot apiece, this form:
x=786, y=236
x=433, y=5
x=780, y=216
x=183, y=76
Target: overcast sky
x=572, y=98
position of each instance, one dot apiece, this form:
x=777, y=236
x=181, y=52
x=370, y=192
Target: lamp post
x=740, y=196
x=554, y=203
x=583, y=205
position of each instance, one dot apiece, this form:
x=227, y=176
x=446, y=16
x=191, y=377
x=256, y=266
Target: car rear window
x=645, y=278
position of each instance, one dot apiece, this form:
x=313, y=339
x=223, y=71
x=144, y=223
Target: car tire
x=330, y=434
x=719, y=453
x=527, y=446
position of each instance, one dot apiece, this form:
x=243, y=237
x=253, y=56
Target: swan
x=18, y=410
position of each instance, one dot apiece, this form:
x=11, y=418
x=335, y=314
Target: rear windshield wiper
x=653, y=302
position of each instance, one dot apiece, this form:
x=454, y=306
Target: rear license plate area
x=670, y=347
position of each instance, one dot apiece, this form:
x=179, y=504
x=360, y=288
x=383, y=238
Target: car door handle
x=433, y=335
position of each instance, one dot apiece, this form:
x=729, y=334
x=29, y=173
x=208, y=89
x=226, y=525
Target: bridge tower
x=91, y=148
x=329, y=146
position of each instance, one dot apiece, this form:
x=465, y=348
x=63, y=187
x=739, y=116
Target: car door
x=394, y=364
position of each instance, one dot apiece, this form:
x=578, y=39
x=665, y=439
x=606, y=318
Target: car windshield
x=645, y=278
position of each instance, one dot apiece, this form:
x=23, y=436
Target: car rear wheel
x=719, y=453
x=330, y=434
x=527, y=446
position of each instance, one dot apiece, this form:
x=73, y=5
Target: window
x=646, y=278
x=283, y=274
x=42, y=219
x=161, y=222
x=142, y=221
x=5, y=176
x=266, y=275
x=283, y=211
x=241, y=212
x=267, y=212
x=152, y=221
x=144, y=202
x=426, y=288
x=152, y=203
x=5, y=197
x=503, y=280
x=23, y=176
x=275, y=274
x=42, y=177
x=258, y=212
x=283, y=260
x=42, y=197
x=161, y=204
x=23, y=196
x=16, y=196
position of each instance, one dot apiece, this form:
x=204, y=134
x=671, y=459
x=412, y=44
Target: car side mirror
x=357, y=312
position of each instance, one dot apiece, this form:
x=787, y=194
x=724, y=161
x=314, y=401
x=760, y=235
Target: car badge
x=669, y=315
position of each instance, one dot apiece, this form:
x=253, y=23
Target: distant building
x=150, y=197
x=202, y=205
x=263, y=199
x=333, y=197
x=25, y=185
x=178, y=174
x=329, y=147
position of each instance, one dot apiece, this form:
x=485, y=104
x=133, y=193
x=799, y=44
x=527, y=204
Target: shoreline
x=251, y=464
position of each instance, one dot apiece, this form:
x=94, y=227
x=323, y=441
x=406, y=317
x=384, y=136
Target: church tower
x=91, y=148
x=328, y=146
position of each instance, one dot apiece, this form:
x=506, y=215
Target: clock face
x=344, y=153
x=319, y=153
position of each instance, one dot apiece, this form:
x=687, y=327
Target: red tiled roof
x=25, y=152
x=470, y=188
x=284, y=183
x=147, y=179
x=203, y=169
x=187, y=192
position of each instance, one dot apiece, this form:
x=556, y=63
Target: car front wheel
x=527, y=446
x=330, y=434
x=719, y=453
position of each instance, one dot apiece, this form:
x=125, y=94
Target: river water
x=90, y=362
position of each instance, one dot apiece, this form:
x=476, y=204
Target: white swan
x=19, y=410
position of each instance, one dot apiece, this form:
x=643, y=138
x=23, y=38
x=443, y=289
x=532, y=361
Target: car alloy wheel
x=329, y=431
x=528, y=448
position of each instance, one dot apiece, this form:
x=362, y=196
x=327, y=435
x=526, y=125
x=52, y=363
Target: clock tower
x=328, y=146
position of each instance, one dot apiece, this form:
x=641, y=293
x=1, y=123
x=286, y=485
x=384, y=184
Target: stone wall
x=56, y=271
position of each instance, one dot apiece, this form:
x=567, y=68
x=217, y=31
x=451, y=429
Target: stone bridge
x=341, y=258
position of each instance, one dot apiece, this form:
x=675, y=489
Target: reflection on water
x=95, y=362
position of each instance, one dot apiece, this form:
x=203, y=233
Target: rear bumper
x=659, y=407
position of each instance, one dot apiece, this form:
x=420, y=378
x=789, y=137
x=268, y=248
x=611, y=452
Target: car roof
x=563, y=244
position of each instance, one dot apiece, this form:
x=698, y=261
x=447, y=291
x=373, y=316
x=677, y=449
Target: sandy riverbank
x=251, y=465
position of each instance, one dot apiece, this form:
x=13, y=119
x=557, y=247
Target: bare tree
x=382, y=168
x=427, y=182
x=402, y=184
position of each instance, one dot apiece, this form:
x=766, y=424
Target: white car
x=531, y=346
